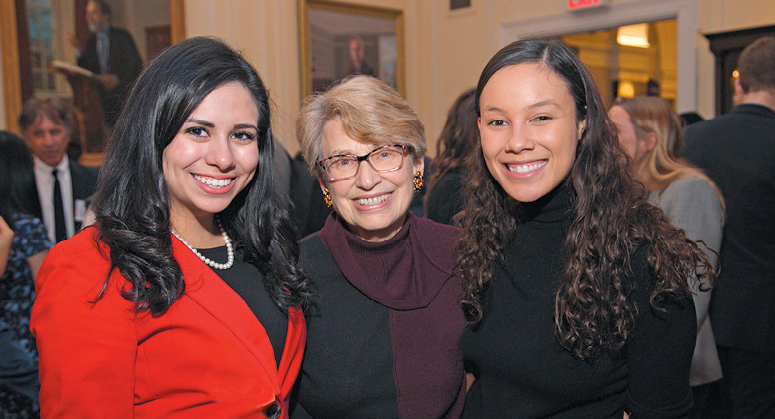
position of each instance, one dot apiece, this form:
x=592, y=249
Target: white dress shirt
x=45, y=184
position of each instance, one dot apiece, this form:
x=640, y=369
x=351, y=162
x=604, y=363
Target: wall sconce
x=626, y=89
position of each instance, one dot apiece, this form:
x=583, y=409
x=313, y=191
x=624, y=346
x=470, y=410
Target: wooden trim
x=177, y=21
x=11, y=75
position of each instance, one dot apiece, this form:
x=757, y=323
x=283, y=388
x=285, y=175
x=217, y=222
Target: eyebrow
x=547, y=102
x=211, y=125
x=539, y=104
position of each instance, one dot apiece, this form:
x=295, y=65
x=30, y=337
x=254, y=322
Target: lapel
x=208, y=290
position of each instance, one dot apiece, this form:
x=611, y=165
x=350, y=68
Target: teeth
x=215, y=183
x=375, y=200
x=528, y=168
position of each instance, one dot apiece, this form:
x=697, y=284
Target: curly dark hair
x=611, y=218
x=132, y=204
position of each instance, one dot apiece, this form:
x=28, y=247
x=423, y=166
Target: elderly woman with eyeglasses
x=383, y=333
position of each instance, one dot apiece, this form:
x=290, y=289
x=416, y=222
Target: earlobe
x=582, y=125
x=651, y=141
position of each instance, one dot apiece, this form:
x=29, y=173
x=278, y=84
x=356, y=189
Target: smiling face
x=373, y=204
x=213, y=156
x=528, y=130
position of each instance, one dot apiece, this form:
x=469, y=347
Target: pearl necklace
x=208, y=261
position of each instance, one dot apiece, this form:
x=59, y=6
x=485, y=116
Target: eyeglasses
x=387, y=158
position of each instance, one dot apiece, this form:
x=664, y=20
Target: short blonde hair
x=371, y=112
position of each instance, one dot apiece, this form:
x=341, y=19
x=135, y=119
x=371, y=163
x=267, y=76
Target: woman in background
x=383, y=336
x=649, y=130
x=184, y=298
x=24, y=244
x=457, y=143
x=575, y=286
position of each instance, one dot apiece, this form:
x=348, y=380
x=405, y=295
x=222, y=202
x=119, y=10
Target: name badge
x=80, y=210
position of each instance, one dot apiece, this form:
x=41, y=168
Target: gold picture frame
x=328, y=28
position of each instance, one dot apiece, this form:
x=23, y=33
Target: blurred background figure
x=736, y=151
x=383, y=335
x=23, y=246
x=358, y=64
x=688, y=118
x=457, y=142
x=111, y=54
x=649, y=129
x=63, y=185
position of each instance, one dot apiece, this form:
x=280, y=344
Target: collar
x=555, y=206
x=404, y=272
x=41, y=167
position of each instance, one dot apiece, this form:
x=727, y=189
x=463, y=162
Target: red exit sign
x=586, y=4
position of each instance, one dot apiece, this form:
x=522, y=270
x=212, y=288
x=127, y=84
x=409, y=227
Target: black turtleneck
x=522, y=371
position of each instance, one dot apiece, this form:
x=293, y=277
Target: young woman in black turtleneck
x=575, y=287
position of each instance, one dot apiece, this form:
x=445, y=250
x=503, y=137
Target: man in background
x=357, y=64
x=109, y=53
x=737, y=151
x=63, y=185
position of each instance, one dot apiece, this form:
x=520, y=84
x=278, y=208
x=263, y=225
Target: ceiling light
x=634, y=35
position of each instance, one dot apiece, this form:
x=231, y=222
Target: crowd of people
x=570, y=260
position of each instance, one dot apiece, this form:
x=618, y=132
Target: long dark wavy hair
x=18, y=193
x=132, y=204
x=611, y=217
x=458, y=138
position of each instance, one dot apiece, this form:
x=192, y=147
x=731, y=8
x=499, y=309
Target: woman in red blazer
x=184, y=298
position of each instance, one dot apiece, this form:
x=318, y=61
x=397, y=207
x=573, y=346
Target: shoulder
x=438, y=241
x=432, y=232
x=84, y=243
x=119, y=32
x=77, y=169
x=76, y=270
x=30, y=232
x=692, y=194
x=312, y=248
x=690, y=186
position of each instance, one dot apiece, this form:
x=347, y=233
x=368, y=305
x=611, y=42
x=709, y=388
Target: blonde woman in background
x=649, y=129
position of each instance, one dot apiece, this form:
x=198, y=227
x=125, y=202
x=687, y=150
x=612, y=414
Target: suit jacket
x=693, y=205
x=123, y=61
x=84, y=185
x=737, y=151
x=207, y=356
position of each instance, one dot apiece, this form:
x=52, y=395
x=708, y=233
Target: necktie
x=102, y=51
x=59, y=210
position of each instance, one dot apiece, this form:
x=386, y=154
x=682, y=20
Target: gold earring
x=418, y=182
x=327, y=198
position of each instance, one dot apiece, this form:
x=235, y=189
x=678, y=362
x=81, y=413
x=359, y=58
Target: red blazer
x=207, y=357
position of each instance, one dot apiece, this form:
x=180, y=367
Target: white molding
x=686, y=13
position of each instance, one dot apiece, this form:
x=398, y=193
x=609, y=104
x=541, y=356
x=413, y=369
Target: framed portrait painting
x=340, y=39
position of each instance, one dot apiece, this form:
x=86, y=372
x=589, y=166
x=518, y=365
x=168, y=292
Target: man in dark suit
x=110, y=53
x=46, y=125
x=737, y=151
